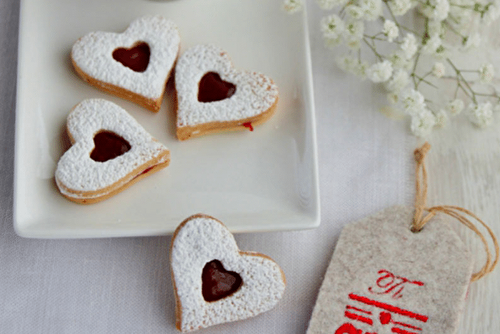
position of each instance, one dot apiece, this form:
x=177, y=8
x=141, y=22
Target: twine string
x=460, y=214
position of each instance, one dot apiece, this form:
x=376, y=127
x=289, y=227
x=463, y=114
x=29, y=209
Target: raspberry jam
x=217, y=282
x=248, y=125
x=108, y=145
x=212, y=88
x=135, y=58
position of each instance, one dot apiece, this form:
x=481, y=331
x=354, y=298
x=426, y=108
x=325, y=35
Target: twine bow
x=420, y=218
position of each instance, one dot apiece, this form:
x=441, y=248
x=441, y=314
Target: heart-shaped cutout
x=135, y=58
x=108, y=145
x=213, y=96
x=110, y=152
x=217, y=282
x=94, y=58
x=212, y=88
x=202, y=241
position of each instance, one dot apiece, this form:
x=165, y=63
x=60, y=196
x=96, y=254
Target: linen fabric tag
x=383, y=278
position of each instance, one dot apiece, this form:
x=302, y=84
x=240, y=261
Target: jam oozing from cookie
x=248, y=125
x=108, y=145
x=135, y=58
x=217, y=282
x=147, y=170
x=212, y=88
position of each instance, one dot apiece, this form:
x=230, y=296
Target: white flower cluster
x=438, y=70
x=481, y=114
x=391, y=30
x=374, y=27
x=293, y=6
x=486, y=73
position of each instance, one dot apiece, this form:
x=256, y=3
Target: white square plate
x=265, y=180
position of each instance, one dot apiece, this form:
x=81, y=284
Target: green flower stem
x=466, y=92
x=462, y=79
x=454, y=30
x=400, y=26
x=375, y=38
x=422, y=79
x=488, y=95
x=461, y=6
x=378, y=55
x=415, y=70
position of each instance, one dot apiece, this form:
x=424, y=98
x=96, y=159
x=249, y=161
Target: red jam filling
x=217, y=282
x=248, y=125
x=135, y=58
x=147, y=170
x=108, y=145
x=212, y=88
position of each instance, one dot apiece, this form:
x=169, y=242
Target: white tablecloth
x=123, y=285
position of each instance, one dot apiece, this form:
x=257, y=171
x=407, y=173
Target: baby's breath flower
x=471, y=42
x=390, y=30
x=354, y=66
x=461, y=18
x=332, y=26
x=491, y=14
x=409, y=45
x=399, y=7
x=435, y=28
x=354, y=30
x=442, y=52
x=398, y=60
x=330, y=4
x=481, y=114
x=441, y=10
x=435, y=9
x=441, y=119
x=380, y=72
x=346, y=63
x=360, y=69
x=431, y=45
x=438, y=70
x=292, y=6
x=455, y=107
x=422, y=123
x=486, y=73
x=413, y=102
x=400, y=79
x=355, y=12
x=372, y=9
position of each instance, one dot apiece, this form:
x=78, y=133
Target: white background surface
x=123, y=285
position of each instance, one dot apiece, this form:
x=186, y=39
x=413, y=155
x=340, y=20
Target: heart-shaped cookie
x=110, y=152
x=214, y=281
x=213, y=96
x=135, y=64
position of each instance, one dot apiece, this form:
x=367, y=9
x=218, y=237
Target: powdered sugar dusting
x=203, y=239
x=78, y=172
x=255, y=92
x=93, y=54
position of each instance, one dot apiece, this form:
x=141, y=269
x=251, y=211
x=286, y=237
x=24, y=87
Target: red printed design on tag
x=348, y=328
x=366, y=311
x=389, y=283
